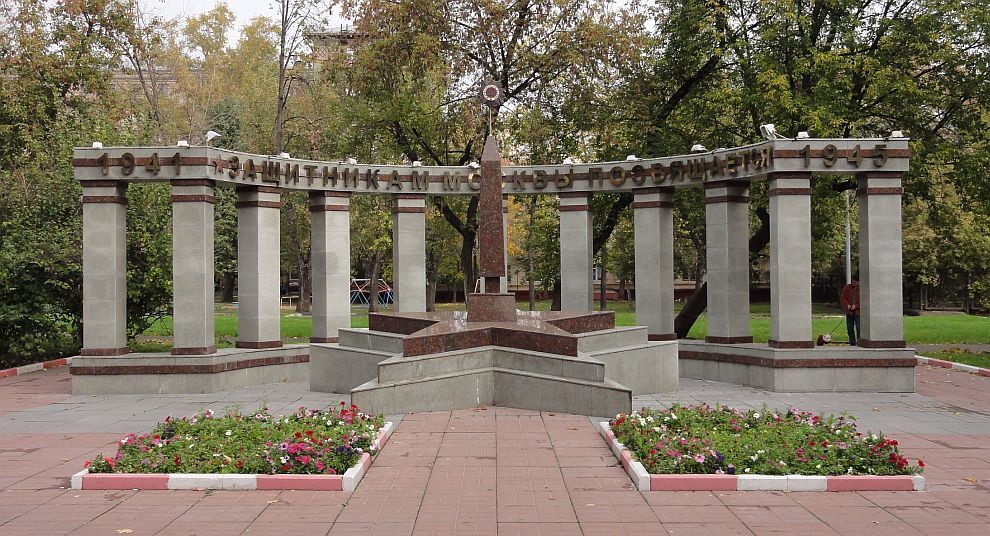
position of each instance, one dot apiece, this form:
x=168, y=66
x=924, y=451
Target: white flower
x=227, y=433
x=756, y=415
x=850, y=471
x=284, y=459
x=673, y=416
x=746, y=470
x=819, y=466
x=123, y=441
x=761, y=451
x=754, y=457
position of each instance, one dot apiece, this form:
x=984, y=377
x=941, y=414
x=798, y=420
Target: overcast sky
x=244, y=9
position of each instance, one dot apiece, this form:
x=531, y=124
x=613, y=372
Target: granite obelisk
x=491, y=306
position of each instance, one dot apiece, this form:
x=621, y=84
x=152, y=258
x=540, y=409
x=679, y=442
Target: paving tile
x=612, y=507
x=622, y=529
x=539, y=529
x=707, y=529
x=372, y=529
x=694, y=514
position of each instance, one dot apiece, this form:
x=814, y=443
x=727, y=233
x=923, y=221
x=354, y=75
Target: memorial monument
x=575, y=360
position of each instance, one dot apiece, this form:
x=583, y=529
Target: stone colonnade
x=727, y=257
x=727, y=234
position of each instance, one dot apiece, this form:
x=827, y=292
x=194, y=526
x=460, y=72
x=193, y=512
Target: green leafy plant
x=724, y=440
x=310, y=441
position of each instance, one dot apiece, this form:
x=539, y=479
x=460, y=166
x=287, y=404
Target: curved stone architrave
x=748, y=162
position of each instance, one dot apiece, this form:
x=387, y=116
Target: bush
x=702, y=439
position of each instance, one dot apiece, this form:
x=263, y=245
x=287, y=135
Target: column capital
x=730, y=191
x=192, y=182
x=879, y=183
x=669, y=190
x=114, y=192
x=574, y=202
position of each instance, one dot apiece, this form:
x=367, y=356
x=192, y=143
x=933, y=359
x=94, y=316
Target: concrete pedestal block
x=336, y=369
x=163, y=373
x=819, y=369
x=491, y=308
x=647, y=368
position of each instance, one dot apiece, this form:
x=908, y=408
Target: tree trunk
x=529, y=253
x=226, y=289
x=431, y=291
x=555, y=304
x=623, y=291
x=376, y=266
x=602, y=283
x=305, y=303
x=698, y=301
x=467, y=263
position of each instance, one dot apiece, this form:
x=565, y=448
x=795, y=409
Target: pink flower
x=700, y=458
x=320, y=466
x=303, y=459
x=842, y=445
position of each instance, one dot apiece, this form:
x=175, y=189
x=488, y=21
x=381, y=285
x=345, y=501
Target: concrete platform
x=605, y=369
x=163, y=373
x=819, y=369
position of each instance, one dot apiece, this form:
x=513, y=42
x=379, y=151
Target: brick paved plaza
x=488, y=470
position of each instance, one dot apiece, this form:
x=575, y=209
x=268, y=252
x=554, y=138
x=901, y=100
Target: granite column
x=331, y=257
x=576, y=254
x=790, y=260
x=881, y=294
x=727, y=256
x=104, y=262
x=653, y=219
x=258, y=263
x=409, y=252
x=192, y=266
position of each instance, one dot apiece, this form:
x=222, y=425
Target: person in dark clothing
x=849, y=300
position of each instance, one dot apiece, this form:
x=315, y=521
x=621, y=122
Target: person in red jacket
x=849, y=300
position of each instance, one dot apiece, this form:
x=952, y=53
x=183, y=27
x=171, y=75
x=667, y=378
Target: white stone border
x=941, y=363
x=677, y=482
x=34, y=367
x=199, y=481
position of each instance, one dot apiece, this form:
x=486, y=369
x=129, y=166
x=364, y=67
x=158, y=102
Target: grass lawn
x=928, y=329
x=961, y=355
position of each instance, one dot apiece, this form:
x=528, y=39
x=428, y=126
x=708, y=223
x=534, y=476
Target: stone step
x=494, y=386
x=400, y=368
x=338, y=369
x=608, y=339
x=370, y=340
x=646, y=368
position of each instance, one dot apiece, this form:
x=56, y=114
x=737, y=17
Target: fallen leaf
x=273, y=501
x=125, y=531
x=591, y=504
x=971, y=480
x=876, y=409
x=551, y=414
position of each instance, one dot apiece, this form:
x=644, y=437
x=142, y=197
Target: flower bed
x=236, y=451
x=767, y=449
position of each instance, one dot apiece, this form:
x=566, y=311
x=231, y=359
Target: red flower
x=298, y=435
x=921, y=464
